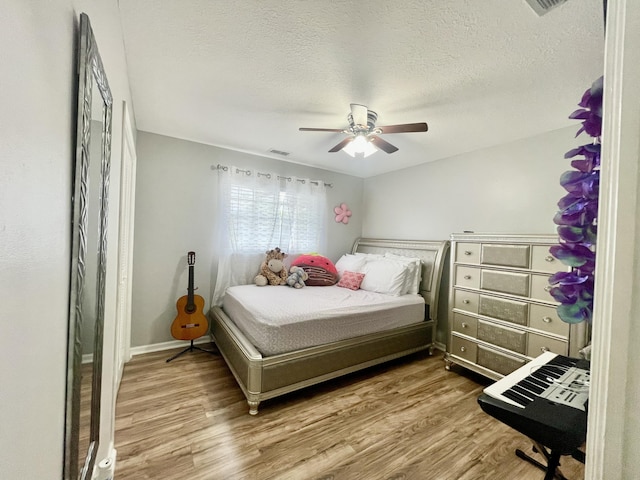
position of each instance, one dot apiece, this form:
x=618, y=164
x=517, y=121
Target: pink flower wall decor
x=342, y=213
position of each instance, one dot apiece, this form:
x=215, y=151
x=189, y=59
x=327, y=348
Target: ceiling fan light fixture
x=363, y=134
x=360, y=145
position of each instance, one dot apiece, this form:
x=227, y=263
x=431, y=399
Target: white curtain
x=258, y=211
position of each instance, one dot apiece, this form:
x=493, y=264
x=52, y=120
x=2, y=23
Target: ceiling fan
x=364, y=133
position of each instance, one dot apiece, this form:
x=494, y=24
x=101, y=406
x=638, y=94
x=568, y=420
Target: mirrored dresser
x=501, y=314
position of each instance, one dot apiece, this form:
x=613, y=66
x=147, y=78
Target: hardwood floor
x=408, y=419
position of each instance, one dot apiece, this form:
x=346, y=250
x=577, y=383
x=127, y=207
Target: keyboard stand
x=552, y=472
x=554, y=432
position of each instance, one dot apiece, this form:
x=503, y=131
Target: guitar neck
x=191, y=306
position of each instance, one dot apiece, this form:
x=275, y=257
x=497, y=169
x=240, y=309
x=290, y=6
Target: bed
x=266, y=365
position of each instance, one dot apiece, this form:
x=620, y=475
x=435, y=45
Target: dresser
x=501, y=314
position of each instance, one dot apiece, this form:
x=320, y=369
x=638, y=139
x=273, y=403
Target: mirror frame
x=90, y=69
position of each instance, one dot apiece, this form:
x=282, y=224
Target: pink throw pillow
x=351, y=280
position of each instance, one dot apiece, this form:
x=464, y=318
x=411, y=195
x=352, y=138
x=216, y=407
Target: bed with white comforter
x=289, y=319
x=278, y=339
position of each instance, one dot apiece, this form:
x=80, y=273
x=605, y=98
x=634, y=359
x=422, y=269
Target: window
x=259, y=219
x=260, y=211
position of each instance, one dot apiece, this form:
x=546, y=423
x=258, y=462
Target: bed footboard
x=261, y=378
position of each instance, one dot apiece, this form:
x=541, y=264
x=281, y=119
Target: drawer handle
x=549, y=258
x=546, y=319
x=467, y=277
x=463, y=349
x=465, y=301
x=468, y=252
x=544, y=349
x=465, y=325
x=548, y=288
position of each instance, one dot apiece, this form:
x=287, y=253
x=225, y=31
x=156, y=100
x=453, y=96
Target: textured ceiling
x=246, y=74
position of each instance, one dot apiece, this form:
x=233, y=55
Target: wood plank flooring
x=407, y=419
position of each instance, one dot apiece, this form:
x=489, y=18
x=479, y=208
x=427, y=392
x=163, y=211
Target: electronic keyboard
x=560, y=379
x=546, y=400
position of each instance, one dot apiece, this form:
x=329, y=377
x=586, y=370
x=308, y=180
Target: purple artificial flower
x=585, y=234
x=591, y=114
x=568, y=278
x=577, y=217
x=581, y=183
x=574, y=255
x=576, y=212
x=591, y=160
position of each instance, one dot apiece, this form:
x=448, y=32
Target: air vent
x=543, y=6
x=279, y=152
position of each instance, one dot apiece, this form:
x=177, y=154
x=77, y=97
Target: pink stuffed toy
x=322, y=272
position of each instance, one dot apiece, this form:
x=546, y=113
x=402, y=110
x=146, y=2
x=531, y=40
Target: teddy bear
x=296, y=277
x=272, y=270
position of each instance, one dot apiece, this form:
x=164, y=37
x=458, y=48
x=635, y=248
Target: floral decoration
x=577, y=218
x=342, y=213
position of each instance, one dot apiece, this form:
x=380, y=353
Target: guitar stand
x=191, y=348
x=553, y=461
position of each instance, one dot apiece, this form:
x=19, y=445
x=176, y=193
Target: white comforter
x=279, y=319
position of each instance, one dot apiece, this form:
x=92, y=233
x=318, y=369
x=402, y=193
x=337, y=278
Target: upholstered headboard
x=432, y=254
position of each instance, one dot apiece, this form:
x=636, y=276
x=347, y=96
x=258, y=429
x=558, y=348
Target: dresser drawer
x=543, y=261
x=506, y=282
x=465, y=325
x=505, y=337
x=464, y=348
x=504, y=309
x=468, y=253
x=467, y=301
x=540, y=288
x=539, y=344
x=546, y=319
x=467, y=277
x=498, y=361
x=505, y=255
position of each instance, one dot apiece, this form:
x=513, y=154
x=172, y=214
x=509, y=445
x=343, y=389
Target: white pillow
x=352, y=263
x=384, y=275
x=369, y=256
x=414, y=277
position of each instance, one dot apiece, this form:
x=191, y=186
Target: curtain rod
x=268, y=175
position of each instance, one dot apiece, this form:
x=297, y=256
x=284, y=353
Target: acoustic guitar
x=190, y=323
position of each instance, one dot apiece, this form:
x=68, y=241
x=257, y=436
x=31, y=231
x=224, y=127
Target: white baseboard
x=159, y=347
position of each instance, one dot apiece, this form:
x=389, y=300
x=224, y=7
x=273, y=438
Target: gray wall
x=175, y=213
x=511, y=188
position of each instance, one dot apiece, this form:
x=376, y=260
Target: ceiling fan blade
x=383, y=145
x=338, y=130
x=407, y=127
x=341, y=145
x=359, y=114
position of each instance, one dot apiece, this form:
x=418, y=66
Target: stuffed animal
x=272, y=270
x=322, y=272
x=296, y=277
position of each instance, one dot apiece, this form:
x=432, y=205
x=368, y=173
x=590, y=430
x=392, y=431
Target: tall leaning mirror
x=88, y=259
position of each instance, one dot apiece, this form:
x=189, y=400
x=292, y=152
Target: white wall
x=36, y=151
x=511, y=188
x=37, y=127
x=175, y=213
